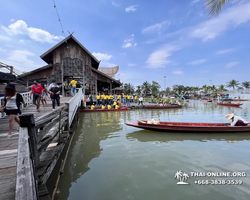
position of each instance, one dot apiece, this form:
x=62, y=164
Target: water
x=111, y=161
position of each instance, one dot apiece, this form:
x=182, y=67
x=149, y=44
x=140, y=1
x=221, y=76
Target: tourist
x=98, y=99
x=132, y=98
x=36, y=91
x=236, y=120
x=11, y=105
x=140, y=101
x=135, y=98
x=73, y=87
x=54, y=94
x=128, y=100
x=152, y=98
x=44, y=95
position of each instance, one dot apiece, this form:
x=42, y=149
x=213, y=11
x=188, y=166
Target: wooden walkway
x=9, y=149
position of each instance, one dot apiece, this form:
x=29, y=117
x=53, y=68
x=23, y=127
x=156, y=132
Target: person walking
x=44, y=96
x=54, y=94
x=11, y=106
x=73, y=87
x=140, y=101
x=36, y=91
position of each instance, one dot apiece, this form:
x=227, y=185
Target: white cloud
x=2, y=50
x=160, y=57
x=131, y=64
x=132, y=8
x=12, y=20
x=177, y=72
x=224, y=51
x=20, y=27
x=231, y=64
x=102, y=56
x=20, y=60
x=156, y=27
x=232, y=17
x=115, y=4
x=4, y=38
x=197, y=62
x=129, y=42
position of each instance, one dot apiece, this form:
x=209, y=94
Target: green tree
x=138, y=90
x=221, y=88
x=155, y=87
x=246, y=84
x=214, y=6
x=168, y=91
x=233, y=84
x=146, y=86
x=128, y=88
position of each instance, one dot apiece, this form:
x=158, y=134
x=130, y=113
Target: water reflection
x=147, y=136
x=109, y=160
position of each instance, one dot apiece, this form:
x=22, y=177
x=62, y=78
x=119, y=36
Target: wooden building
x=68, y=60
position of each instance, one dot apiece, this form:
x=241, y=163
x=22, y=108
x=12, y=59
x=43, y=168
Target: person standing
x=73, y=87
x=36, y=91
x=11, y=106
x=54, y=94
x=98, y=99
x=152, y=98
x=44, y=96
x=140, y=101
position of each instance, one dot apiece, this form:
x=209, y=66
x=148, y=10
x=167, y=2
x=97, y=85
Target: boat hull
x=190, y=127
x=230, y=104
x=106, y=110
x=163, y=107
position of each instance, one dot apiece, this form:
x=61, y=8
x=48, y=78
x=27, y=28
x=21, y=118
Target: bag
x=37, y=94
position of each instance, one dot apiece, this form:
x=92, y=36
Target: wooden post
x=28, y=121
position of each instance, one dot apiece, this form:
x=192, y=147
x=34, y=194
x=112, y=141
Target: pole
x=62, y=79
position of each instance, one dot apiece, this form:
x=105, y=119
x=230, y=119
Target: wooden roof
x=48, y=53
x=101, y=73
x=35, y=70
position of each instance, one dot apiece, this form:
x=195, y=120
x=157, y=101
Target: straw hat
x=229, y=116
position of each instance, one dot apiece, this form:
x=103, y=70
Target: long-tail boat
x=229, y=104
x=164, y=106
x=104, y=110
x=189, y=127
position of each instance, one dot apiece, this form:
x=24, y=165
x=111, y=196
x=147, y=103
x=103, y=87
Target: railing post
x=28, y=121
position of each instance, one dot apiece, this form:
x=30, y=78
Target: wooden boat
x=105, y=110
x=207, y=100
x=190, y=127
x=164, y=106
x=230, y=104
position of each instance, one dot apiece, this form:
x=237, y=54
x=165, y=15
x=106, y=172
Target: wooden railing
x=26, y=97
x=73, y=105
x=35, y=136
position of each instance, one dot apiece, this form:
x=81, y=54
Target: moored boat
x=189, y=127
x=164, y=106
x=105, y=110
x=229, y=104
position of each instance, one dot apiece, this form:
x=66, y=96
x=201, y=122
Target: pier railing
x=73, y=105
x=26, y=97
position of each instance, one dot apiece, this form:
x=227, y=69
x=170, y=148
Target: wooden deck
x=9, y=149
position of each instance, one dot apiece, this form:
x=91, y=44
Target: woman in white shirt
x=11, y=105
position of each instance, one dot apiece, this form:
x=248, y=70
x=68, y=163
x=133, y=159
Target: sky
x=148, y=40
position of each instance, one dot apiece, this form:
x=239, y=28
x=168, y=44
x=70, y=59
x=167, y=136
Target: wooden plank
x=25, y=183
x=8, y=144
x=8, y=161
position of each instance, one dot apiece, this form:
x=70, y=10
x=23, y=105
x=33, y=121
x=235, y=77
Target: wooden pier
x=28, y=158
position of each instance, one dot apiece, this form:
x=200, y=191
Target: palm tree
x=214, y=6
x=146, y=87
x=246, y=84
x=221, y=88
x=128, y=88
x=138, y=90
x=178, y=175
x=185, y=176
x=233, y=83
x=168, y=91
x=155, y=88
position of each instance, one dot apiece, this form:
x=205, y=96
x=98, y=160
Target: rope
x=59, y=19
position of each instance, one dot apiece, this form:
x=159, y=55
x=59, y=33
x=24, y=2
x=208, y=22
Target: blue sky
x=147, y=39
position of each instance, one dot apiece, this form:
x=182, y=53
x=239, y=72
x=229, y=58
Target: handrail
x=73, y=105
x=26, y=97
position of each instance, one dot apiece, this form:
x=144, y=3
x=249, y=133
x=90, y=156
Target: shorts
x=11, y=112
x=36, y=99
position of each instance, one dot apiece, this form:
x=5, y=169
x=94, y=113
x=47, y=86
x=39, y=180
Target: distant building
x=68, y=60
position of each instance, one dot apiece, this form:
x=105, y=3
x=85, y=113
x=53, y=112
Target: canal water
x=111, y=161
